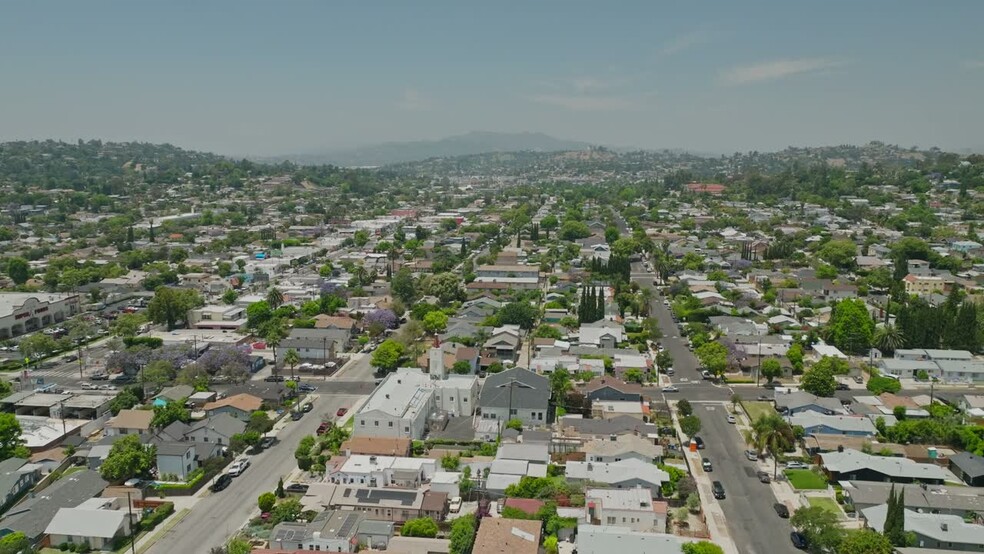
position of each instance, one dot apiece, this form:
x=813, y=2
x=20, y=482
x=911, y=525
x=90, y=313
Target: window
x=376, y=422
x=391, y=424
x=512, y=411
x=451, y=399
x=362, y=423
x=406, y=429
x=611, y=521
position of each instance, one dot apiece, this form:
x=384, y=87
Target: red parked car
x=341, y=412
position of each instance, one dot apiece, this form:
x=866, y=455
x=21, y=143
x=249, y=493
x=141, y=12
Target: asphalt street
x=218, y=516
x=751, y=520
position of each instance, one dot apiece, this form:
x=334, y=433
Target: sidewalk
x=716, y=524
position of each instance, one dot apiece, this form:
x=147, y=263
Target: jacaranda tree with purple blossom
x=378, y=321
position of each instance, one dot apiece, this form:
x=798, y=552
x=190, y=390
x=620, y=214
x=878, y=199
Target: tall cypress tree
x=601, y=304
x=582, y=306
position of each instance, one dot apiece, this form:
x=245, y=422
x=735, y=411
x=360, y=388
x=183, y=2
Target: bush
x=150, y=342
x=421, y=527
x=158, y=515
x=879, y=384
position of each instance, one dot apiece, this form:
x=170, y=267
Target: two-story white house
x=633, y=508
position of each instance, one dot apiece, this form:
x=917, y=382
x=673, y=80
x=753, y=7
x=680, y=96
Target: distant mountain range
x=459, y=145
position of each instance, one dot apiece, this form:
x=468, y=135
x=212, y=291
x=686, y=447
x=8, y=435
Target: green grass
x=757, y=409
x=805, y=479
x=828, y=504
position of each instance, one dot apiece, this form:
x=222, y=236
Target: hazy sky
x=245, y=77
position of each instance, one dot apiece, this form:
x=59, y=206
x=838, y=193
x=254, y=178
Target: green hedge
x=152, y=342
x=158, y=515
x=196, y=476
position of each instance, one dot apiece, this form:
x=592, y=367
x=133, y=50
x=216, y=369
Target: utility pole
x=133, y=538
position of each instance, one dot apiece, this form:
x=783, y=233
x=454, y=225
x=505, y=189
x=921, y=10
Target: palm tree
x=888, y=338
x=291, y=358
x=273, y=337
x=772, y=434
x=275, y=298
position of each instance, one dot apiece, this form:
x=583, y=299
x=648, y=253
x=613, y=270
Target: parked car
x=799, y=540
x=341, y=412
x=718, y=489
x=307, y=407
x=763, y=476
x=751, y=455
x=699, y=441
x=770, y=385
x=222, y=482
x=296, y=488
x=71, y=358
x=842, y=386
x=307, y=388
x=238, y=467
x=671, y=388
x=706, y=464
x=731, y=419
x=781, y=510
x=99, y=377
x=455, y=505
x=274, y=378
x=267, y=442
x=89, y=386
x=796, y=465
x=296, y=415
x=858, y=379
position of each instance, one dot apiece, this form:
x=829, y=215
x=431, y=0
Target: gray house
x=16, y=476
x=516, y=393
x=314, y=345
x=176, y=458
x=797, y=402
x=216, y=429
x=968, y=467
x=33, y=515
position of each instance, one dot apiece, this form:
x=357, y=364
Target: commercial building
x=25, y=312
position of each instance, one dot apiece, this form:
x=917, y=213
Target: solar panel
x=350, y=521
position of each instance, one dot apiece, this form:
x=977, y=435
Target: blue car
x=799, y=541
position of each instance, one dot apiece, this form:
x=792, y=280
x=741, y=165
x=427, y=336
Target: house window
x=377, y=423
x=362, y=423
x=512, y=411
x=391, y=424
x=406, y=429
x=611, y=521
x=451, y=399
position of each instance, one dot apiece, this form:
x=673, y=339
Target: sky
x=244, y=77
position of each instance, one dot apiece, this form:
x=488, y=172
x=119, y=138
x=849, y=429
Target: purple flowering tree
x=230, y=361
x=378, y=321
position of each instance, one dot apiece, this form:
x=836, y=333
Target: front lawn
x=757, y=409
x=828, y=504
x=805, y=479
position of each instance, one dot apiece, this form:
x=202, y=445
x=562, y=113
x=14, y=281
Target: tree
x=11, y=443
x=239, y=546
x=435, y=322
x=840, y=253
x=258, y=313
x=684, y=408
x=446, y=287
x=125, y=400
x=634, y=376
x=573, y=230
x=701, y=547
x=420, y=527
x=127, y=459
x=836, y=366
x=820, y=527
x=127, y=325
x=279, y=493
x=158, y=373
x=461, y=367
x=690, y=425
x=19, y=270
x=770, y=369
x=795, y=356
x=450, y=462
x=15, y=543
x=664, y=360
x=259, y=421
x=288, y=509
x=404, y=286
x=37, y=345
x=865, y=541
x=713, y=356
x=462, y=536
x=266, y=501
x=851, y=327
x=550, y=545
x=693, y=503
x=171, y=305
x=819, y=380
x=275, y=298
x=770, y=433
x=292, y=358
x=515, y=424
x=465, y=484
x=560, y=383
x=888, y=338
x=169, y=413
x=518, y=313
x=388, y=355
x=894, y=526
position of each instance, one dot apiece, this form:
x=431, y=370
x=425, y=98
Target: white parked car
x=455, y=505
x=796, y=465
x=238, y=467
x=671, y=388
x=731, y=419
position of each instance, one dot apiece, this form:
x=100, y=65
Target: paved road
x=747, y=506
x=216, y=517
